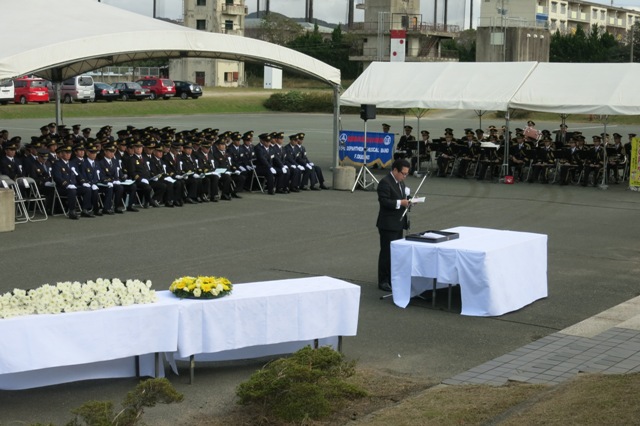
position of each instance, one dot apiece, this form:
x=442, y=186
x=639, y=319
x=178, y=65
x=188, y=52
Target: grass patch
x=214, y=102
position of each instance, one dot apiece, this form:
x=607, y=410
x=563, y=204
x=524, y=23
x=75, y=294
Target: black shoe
x=226, y=197
x=168, y=204
x=313, y=188
x=294, y=190
x=190, y=201
x=235, y=195
x=132, y=209
x=384, y=286
x=97, y=213
x=85, y=213
x=272, y=192
x=154, y=203
x=73, y=216
x=304, y=188
x=109, y=212
x=145, y=206
x=280, y=191
x=178, y=203
x=119, y=210
x=323, y=186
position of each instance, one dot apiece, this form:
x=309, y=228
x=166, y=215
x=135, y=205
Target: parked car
x=105, y=92
x=187, y=89
x=7, y=92
x=131, y=90
x=30, y=89
x=160, y=87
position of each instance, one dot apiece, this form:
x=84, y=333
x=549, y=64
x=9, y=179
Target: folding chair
x=256, y=178
x=22, y=216
x=33, y=200
x=58, y=199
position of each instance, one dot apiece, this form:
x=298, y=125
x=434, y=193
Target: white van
x=78, y=88
x=7, y=91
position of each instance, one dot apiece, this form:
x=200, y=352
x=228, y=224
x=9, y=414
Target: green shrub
x=309, y=384
x=147, y=393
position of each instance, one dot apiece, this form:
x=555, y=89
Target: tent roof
x=71, y=37
x=441, y=85
x=606, y=89
x=564, y=88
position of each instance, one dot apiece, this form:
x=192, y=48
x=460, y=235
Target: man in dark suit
x=393, y=200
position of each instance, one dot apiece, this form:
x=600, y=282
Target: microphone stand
x=414, y=195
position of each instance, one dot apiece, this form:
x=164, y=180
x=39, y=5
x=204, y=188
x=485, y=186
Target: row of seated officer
x=151, y=167
x=475, y=155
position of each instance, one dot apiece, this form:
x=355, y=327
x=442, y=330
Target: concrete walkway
x=605, y=343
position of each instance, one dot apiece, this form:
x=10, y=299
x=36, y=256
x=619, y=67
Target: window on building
x=595, y=14
x=230, y=77
x=200, y=78
x=554, y=7
x=229, y=1
x=563, y=8
x=228, y=25
x=201, y=24
x=201, y=2
x=603, y=15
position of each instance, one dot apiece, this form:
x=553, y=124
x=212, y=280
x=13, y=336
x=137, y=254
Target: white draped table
x=41, y=350
x=498, y=271
x=257, y=319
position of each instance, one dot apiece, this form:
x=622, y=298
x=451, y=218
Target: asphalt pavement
x=592, y=260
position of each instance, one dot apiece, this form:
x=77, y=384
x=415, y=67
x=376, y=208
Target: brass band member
x=616, y=158
x=519, y=156
x=569, y=163
x=594, y=162
x=545, y=161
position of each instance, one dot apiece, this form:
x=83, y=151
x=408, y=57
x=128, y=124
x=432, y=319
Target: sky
x=331, y=10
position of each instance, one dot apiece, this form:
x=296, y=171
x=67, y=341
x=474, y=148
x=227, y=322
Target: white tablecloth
x=498, y=271
x=259, y=319
x=39, y=350
x=268, y=313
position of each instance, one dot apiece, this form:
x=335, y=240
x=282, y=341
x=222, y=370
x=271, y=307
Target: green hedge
x=297, y=101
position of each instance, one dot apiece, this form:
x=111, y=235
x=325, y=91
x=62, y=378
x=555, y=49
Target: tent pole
x=336, y=124
x=507, y=141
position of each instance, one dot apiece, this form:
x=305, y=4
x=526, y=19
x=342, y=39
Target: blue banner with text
x=379, y=148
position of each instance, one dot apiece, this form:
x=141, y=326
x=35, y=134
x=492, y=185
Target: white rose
x=197, y=292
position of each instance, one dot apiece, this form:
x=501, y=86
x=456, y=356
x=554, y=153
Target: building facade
x=520, y=30
x=423, y=40
x=218, y=16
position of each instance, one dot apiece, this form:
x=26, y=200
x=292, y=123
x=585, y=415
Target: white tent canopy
x=76, y=36
x=441, y=85
x=605, y=89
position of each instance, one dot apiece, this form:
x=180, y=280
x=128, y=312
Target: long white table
x=498, y=271
x=41, y=350
x=257, y=319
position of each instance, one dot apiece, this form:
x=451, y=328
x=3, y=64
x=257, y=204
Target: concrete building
x=423, y=39
x=219, y=16
x=520, y=30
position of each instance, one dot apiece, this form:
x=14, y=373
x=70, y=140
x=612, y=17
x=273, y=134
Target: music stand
x=361, y=179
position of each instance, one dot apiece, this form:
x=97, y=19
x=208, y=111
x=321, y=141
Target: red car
x=29, y=89
x=160, y=87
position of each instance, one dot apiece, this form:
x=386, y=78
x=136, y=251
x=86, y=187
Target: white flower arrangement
x=75, y=296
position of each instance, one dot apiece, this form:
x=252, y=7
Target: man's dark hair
x=400, y=163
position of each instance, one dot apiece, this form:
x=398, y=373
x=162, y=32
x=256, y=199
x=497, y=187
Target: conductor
x=393, y=200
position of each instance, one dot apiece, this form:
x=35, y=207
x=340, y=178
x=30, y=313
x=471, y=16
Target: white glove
x=237, y=172
x=227, y=173
x=179, y=177
x=284, y=170
x=145, y=181
x=109, y=185
x=49, y=184
x=169, y=179
x=242, y=168
x=94, y=187
x=249, y=167
x=197, y=176
x=301, y=168
x=407, y=191
x=86, y=185
x=71, y=187
x=309, y=166
x=273, y=171
x=116, y=182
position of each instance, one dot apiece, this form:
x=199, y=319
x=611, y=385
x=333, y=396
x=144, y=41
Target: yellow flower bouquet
x=201, y=287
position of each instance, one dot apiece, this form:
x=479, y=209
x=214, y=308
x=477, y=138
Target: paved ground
x=592, y=265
